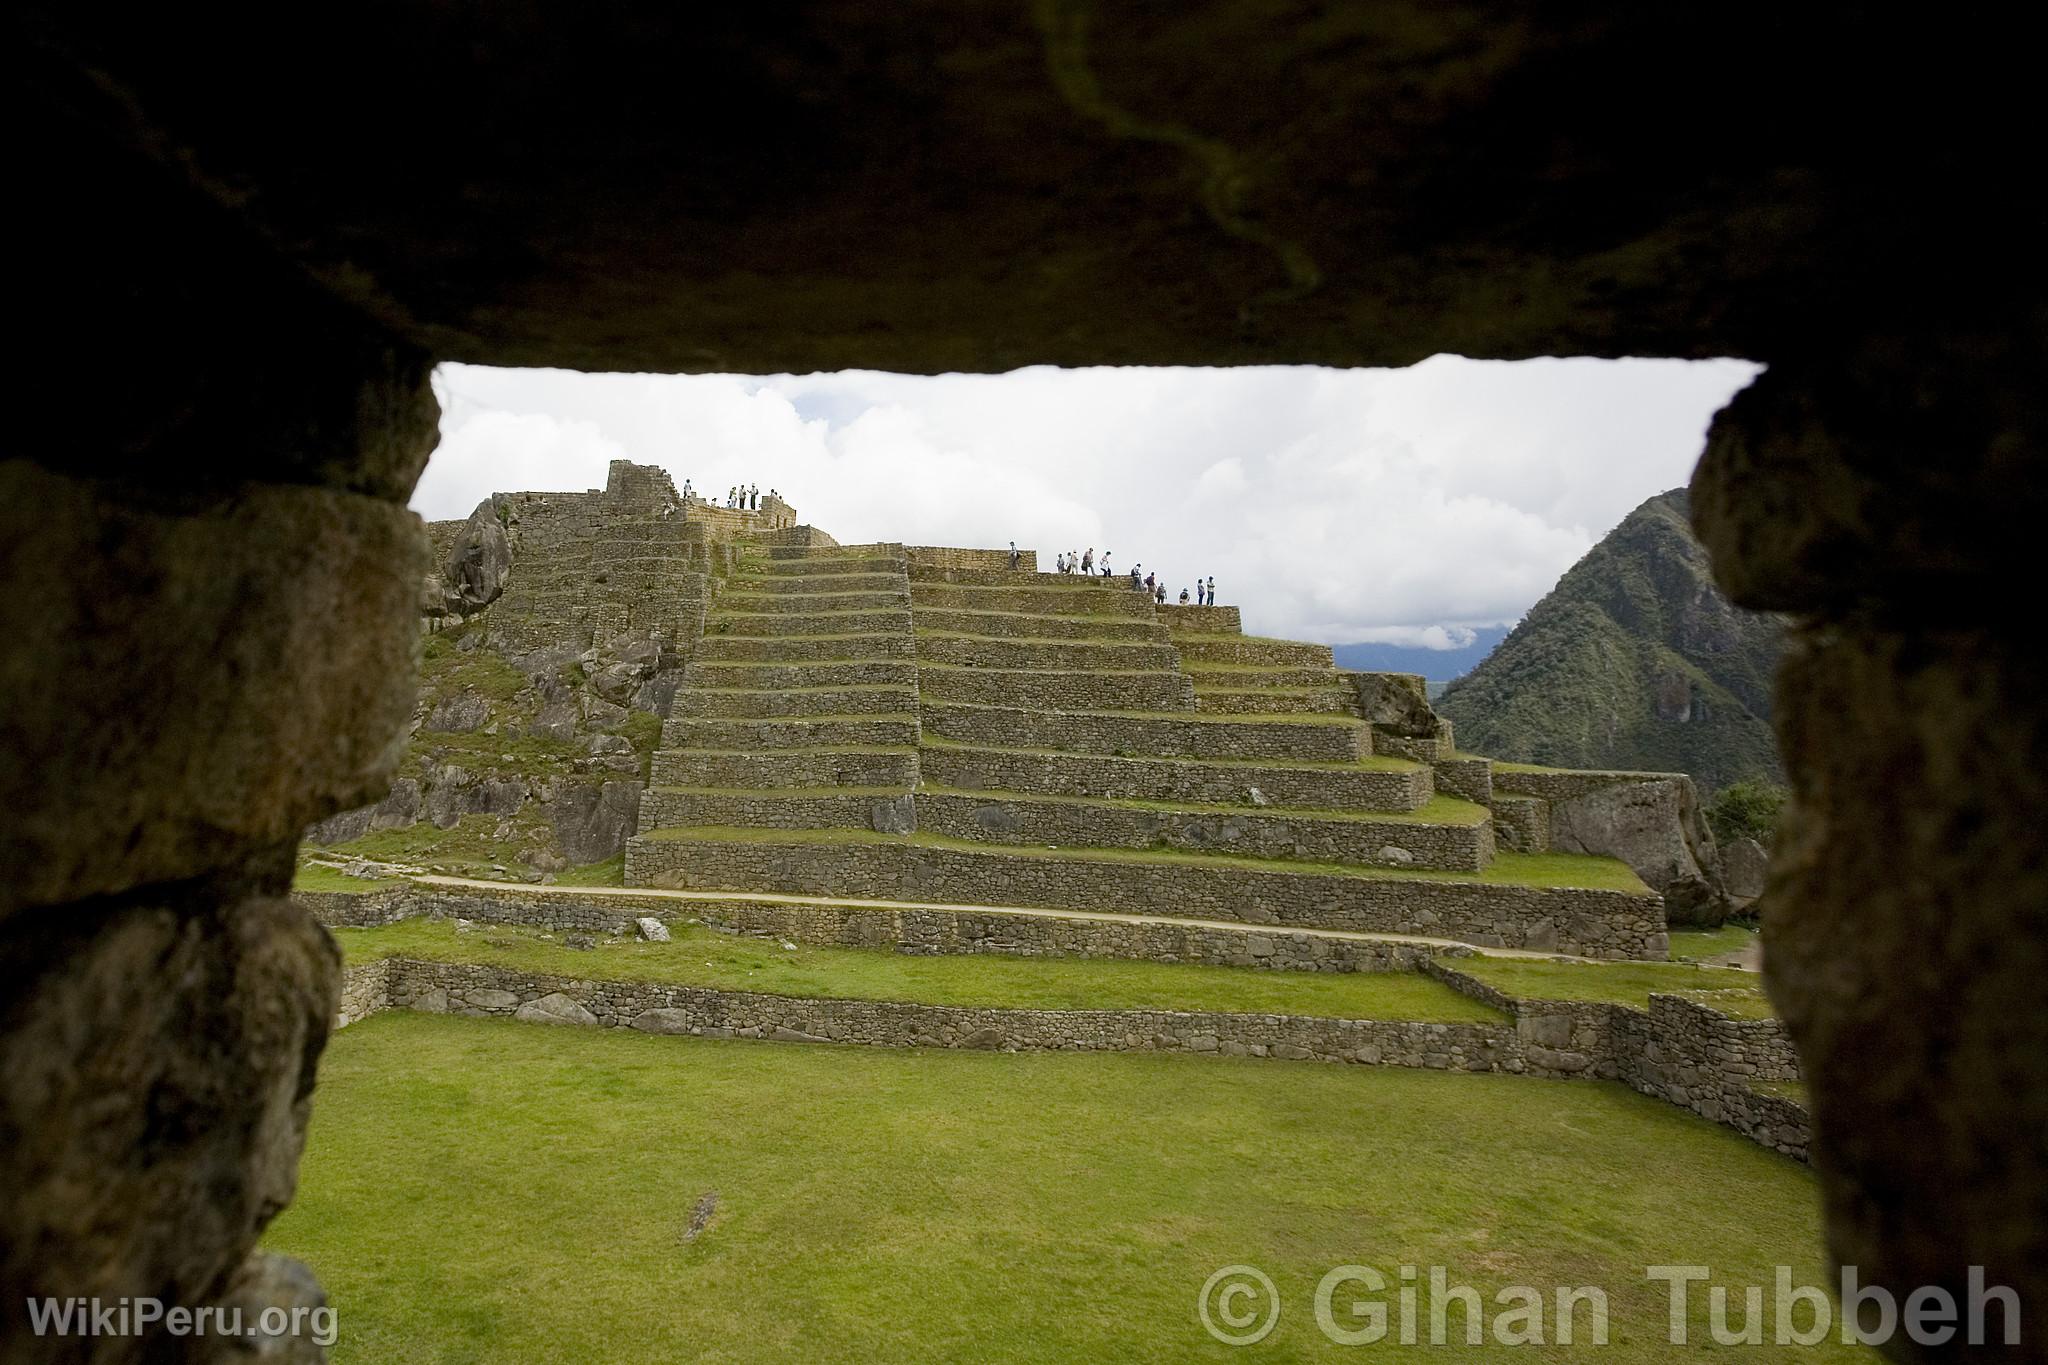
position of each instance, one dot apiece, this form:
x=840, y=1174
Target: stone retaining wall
x=835, y=673
x=1677, y=1050
x=786, y=733
x=814, y=621
x=997, y=818
x=471, y=989
x=749, y=703
x=1586, y=923
x=760, y=771
x=741, y=602
x=754, y=649
x=1160, y=779
x=1109, y=597
x=974, y=652
x=950, y=557
x=796, y=810
x=1201, y=620
x=1009, y=625
x=1336, y=741
x=908, y=930
x=791, y=536
x=1045, y=689
x=1251, y=649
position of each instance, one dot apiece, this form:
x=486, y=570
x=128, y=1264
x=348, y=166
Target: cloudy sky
x=1403, y=506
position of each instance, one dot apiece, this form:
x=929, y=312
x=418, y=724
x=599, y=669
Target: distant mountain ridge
x=1438, y=665
x=1634, y=660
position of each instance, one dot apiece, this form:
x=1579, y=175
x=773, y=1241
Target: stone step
x=1252, y=649
x=895, y=622
x=825, y=647
x=1333, y=738
x=1271, y=701
x=1379, y=785
x=1015, y=625
x=760, y=703
x=825, y=554
x=723, y=675
x=730, y=603
x=870, y=808
x=1459, y=839
x=812, y=585
x=1059, y=690
x=1225, y=678
x=763, y=770
x=933, y=869
x=994, y=578
x=1113, y=597
x=708, y=732
x=985, y=652
x=836, y=562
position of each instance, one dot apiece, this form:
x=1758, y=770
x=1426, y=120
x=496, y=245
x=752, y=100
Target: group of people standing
x=745, y=497
x=1203, y=594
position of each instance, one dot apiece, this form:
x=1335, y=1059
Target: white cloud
x=1332, y=505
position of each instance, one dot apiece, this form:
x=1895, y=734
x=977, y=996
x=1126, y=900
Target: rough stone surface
x=479, y=560
x=155, y=1082
x=176, y=619
x=1744, y=865
x=592, y=821
x=1657, y=828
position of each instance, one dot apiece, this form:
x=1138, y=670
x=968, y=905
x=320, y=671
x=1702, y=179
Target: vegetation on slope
x=1633, y=661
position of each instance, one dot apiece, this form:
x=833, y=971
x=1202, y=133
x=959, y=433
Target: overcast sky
x=1404, y=506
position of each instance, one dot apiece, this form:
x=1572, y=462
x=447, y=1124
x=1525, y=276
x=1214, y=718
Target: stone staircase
x=798, y=710
x=861, y=723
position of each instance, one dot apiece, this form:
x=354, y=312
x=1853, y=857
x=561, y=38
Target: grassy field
x=1628, y=983
x=702, y=957
x=486, y=1191
x=1699, y=943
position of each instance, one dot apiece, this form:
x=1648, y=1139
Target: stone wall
x=1155, y=736
x=1031, y=772
x=1391, y=842
x=972, y=651
x=1586, y=923
x=1200, y=620
x=908, y=930
x=365, y=990
x=1676, y=1050
x=1069, y=690
x=465, y=988
x=951, y=557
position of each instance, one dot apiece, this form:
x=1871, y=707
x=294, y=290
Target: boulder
x=1396, y=703
x=1744, y=863
x=663, y=1021
x=652, y=929
x=459, y=714
x=555, y=1008
x=593, y=822
x=1655, y=826
x=898, y=815
x=479, y=561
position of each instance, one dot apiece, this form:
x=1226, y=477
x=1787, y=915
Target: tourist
x=1059, y=562
x=1183, y=596
x=1135, y=581
x=1105, y=563
x=1212, y=590
x=1159, y=592
x=1088, y=561
x=1014, y=556
x=1149, y=582
x=686, y=490
x=756, y=491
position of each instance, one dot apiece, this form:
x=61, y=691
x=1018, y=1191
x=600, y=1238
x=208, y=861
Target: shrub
x=1746, y=810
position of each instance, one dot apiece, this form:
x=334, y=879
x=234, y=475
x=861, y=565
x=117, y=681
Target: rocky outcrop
x=1656, y=827
x=1745, y=863
x=592, y=821
x=479, y=562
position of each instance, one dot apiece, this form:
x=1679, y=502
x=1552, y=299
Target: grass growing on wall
x=704, y=957
x=484, y=1191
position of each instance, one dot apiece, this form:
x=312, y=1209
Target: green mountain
x=1634, y=660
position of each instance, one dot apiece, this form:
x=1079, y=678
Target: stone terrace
x=928, y=723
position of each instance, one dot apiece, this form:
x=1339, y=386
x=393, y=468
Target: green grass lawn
x=1731, y=991
x=1514, y=869
x=487, y=1191
x=1698, y=943
x=310, y=878
x=703, y=957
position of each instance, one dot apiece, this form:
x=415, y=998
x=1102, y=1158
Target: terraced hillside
x=929, y=726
